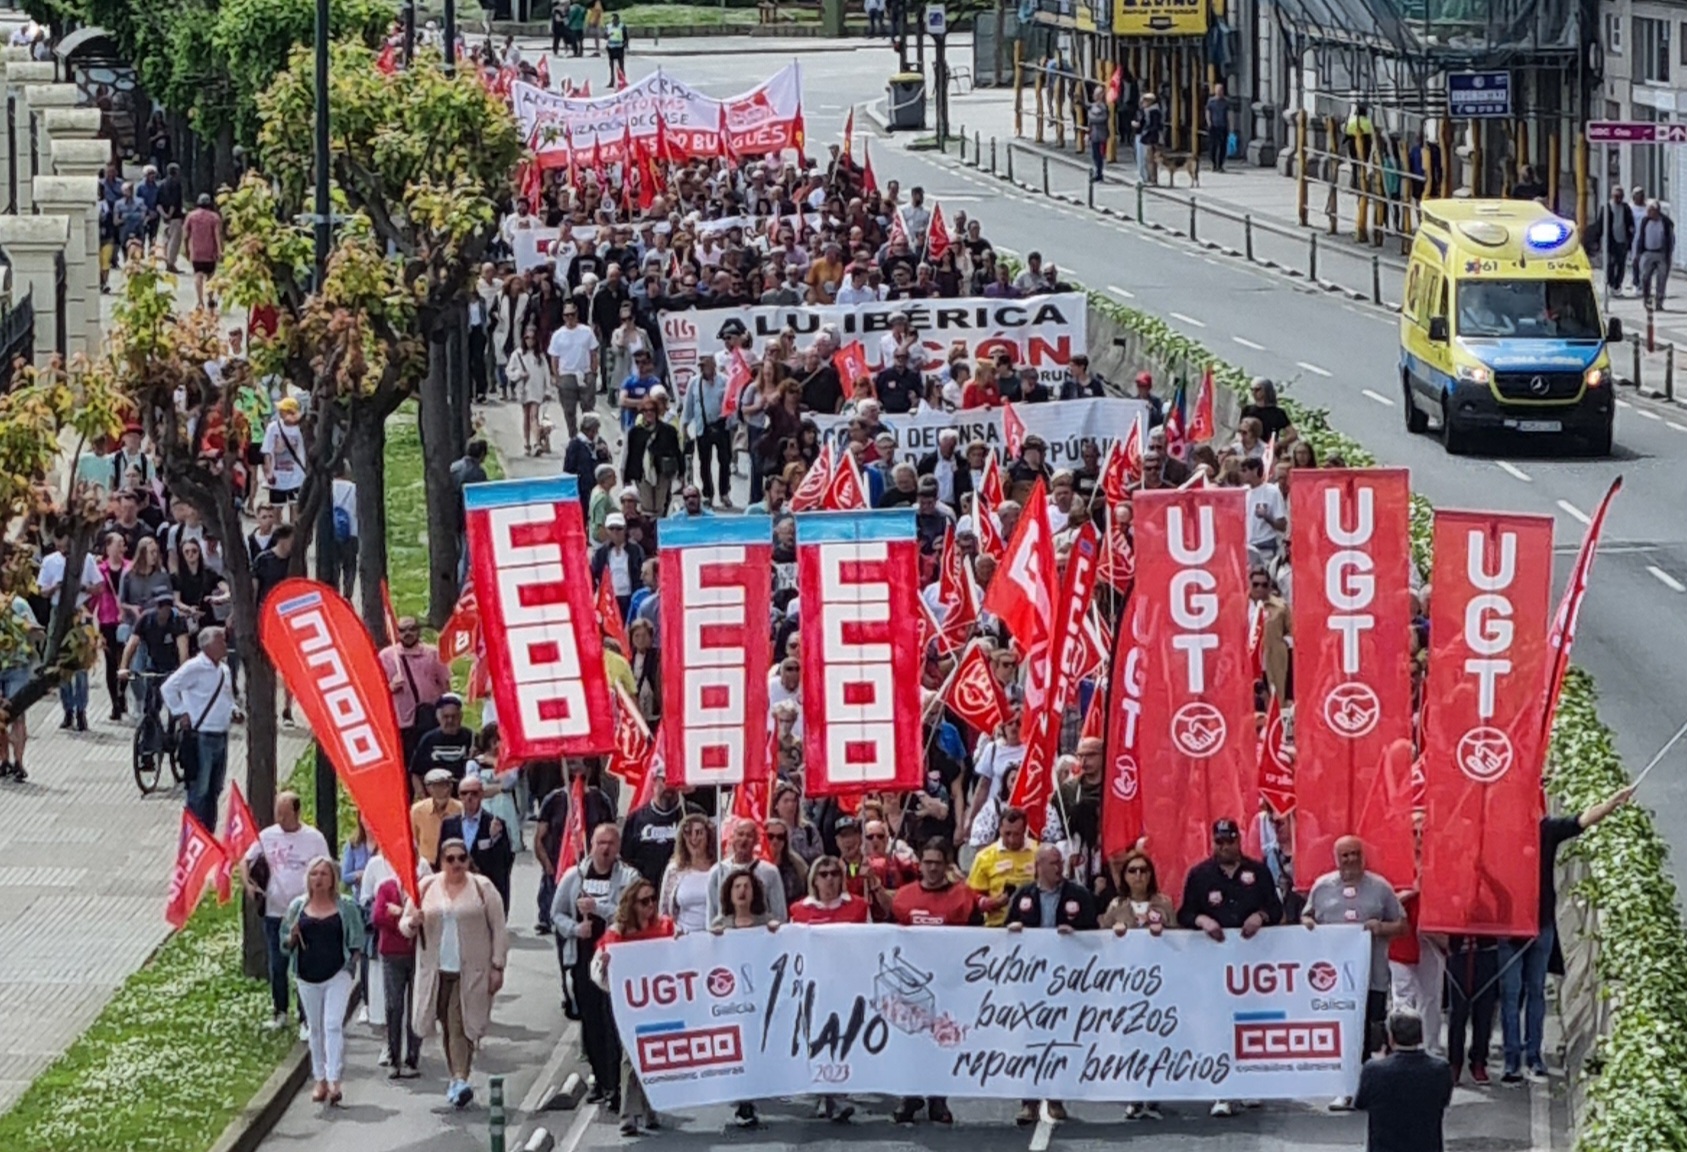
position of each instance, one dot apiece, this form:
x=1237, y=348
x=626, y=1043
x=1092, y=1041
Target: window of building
x=1651, y=50
x=1613, y=34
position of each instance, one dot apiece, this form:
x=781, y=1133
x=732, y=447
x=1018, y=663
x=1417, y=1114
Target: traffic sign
x=1635, y=132
x=1479, y=95
x=937, y=20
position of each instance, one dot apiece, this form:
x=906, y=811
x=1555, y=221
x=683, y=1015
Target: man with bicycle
x=200, y=695
x=159, y=641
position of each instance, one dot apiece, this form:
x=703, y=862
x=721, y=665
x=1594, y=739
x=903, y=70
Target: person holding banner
x=586, y=897
x=938, y=900
x=636, y=918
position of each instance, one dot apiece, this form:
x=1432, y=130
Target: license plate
x=1540, y=426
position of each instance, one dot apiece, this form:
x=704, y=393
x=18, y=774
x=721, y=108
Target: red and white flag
x=899, y=228
x=1276, y=763
x=630, y=758
x=198, y=859
x=1350, y=529
x=960, y=618
x=938, y=240
x=1203, y=426
x=573, y=847
x=1118, y=559
x=1121, y=803
x=716, y=582
x=1013, y=431
x=849, y=134
x=1022, y=593
x=811, y=493
x=990, y=541
x=851, y=363
x=859, y=573
x=609, y=617
x=845, y=491
x=1198, y=744
x=543, y=71
x=869, y=181
x=1117, y=473
x=240, y=832
x=951, y=570
x=1488, y=664
x=990, y=489
x=972, y=692
x=738, y=377
x=1563, y=633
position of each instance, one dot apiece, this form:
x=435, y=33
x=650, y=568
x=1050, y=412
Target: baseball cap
x=846, y=824
x=1225, y=828
x=614, y=520
x=1144, y=379
x=289, y=406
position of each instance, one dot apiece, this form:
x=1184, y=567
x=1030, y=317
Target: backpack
x=342, y=525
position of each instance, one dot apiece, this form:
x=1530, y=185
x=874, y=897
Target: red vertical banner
x=1482, y=758
x=198, y=858
x=1121, y=803
x=324, y=656
x=1352, y=618
x=1197, y=740
x=533, y=585
x=717, y=575
x=859, y=575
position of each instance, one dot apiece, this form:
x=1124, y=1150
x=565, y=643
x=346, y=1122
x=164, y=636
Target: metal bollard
x=963, y=139
x=1376, y=280
x=1669, y=372
x=1312, y=256
x=1248, y=236
x=993, y=155
x=495, y=1112
x=1192, y=210
x=977, y=149
x=1089, y=191
x=1010, y=163
x=1045, y=175
x=1636, y=341
x=1139, y=196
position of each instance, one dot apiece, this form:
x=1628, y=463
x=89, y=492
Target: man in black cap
x=1228, y=890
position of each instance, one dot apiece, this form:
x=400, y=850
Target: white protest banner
x=1063, y=424
x=766, y=119
x=980, y=1012
x=1042, y=332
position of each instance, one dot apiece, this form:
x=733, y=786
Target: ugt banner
x=1042, y=332
x=324, y=655
x=859, y=575
x=1482, y=760
x=716, y=585
x=533, y=584
x=975, y=1012
x=1197, y=742
x=1121, y=803
x=1351, y=534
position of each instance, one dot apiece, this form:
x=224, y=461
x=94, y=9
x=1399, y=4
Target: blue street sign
x=1479, y=95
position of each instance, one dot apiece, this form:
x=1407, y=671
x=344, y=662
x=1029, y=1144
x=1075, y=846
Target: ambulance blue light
x=1545, y=235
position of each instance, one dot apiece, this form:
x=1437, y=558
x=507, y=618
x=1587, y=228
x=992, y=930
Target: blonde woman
x=462, y=947
x=636, y=918
x=685, y=882
x=322, y=933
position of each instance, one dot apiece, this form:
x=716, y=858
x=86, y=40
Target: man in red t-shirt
x=860, y=877
x=938, y=900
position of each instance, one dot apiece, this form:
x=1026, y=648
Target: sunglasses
x=828, y=872
x=1225, y=839
x=1138, y=869
x=780, y=836
x=456, y=858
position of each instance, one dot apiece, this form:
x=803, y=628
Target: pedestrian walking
x=202, y=231
x=1218, y=128
x=586, y=899
x=1655, y=248
x=274, y=872
x=398, y=981
x=200, y=695
x=1096, y=117
x=322, y=933
x=1406, y=1093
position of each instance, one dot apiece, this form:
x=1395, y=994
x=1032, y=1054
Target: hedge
x=1637, y=1088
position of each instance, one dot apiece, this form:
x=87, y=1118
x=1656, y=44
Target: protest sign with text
x=1064, y=425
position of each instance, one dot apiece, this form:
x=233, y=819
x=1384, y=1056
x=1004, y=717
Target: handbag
x=427, y=718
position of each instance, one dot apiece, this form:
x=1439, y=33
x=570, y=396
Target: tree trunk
x=367, y=454
x=223, y=151
x=437, y=419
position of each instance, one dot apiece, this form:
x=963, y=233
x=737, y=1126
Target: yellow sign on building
x=1160, y=17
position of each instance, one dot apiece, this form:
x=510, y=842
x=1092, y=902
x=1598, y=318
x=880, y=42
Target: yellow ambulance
x=1500, y=330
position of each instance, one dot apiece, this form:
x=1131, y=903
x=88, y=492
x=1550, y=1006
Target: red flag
x=651, y=182
x=1118, y=560
x=938, y=240
x=990, y=542
x=844, y=490
x=1198, y=745
x=584, y=91
x=959, y=618
x=811, y=493
x=849, y=134
x=654, y=770
x=799, y=139
x=972, y=692
x=664, y=149
x=387, y=62
x=609, y=617
x=1177, y=445
x=1487, y=675
x=723, y=142
x=596, y=163
x=198, y=857
x=461, y=635
x=530, y=182
x=1268, y=460
x=990, y=487
x=1121, y=804
x=573, y=848
x=630, y=758
x=1202, y=424
x=544, y=650
x=620, y=79
x=899, y=228
x=1277, y=766
x=1563, y=633
x=861, y=708
x=1095, y=716
x=1098, y=642
x=239, y=835
x=1116, y=469
x=716, y=582
x=851, y=363
x=951, y=574
x=324, y=656
x=738, y=376
x=1256, y=640
x=1116, y=86
x=1035, y=783
x=1013, y=431
x=1022, y=594
x=573, y=168
x=869, y=182
x=1352, y=623
x=543, y=71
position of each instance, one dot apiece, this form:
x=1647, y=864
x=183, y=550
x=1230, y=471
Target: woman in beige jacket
x=462, y=946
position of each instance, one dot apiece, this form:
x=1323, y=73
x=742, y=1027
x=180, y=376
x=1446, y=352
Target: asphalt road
x=1328, y=353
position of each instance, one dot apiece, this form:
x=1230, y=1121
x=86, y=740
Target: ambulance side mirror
x=1438, y=329
x=1613, y=331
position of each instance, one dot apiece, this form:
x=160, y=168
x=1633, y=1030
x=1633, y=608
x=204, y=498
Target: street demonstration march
x=802, y=662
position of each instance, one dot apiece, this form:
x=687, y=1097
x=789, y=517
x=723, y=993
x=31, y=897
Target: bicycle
x=155, y=741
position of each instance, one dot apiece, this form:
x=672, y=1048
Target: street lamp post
x=450, y=37
x=409, y=32
x=327, y=558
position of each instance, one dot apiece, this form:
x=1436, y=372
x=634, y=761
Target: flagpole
x=1662, y=752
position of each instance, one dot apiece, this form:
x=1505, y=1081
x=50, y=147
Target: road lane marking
x=1118, y=291
x=1187, y=319
x=1312, y=368
x=1044, y=1130
x=1514, y=470
x=1648, y=413
x=1666, y=579
x=1677, y=427
x=1377, y=396
x=1574, y=512
x=1624, y=404
x=1246, y=343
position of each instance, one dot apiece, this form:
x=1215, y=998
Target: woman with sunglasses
x=685, y=883
x=828, y=900
x=322, y=934
x=462, y=947
x=1140, y=904
x=743, y=903
x=805, y=837
x=636, y=918
x=793, y=869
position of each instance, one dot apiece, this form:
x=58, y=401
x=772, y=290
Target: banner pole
x=1662, y=752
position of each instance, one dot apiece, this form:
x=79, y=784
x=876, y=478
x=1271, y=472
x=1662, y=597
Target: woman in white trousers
x=322, y=934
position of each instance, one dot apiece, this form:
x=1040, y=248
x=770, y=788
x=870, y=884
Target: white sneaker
x=1341, y=1104
x=363, y=1015
x=1133, y=1111
x=1222, y=1108
x=276, y=1022
x=386, y=1059
x=304, y=1030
